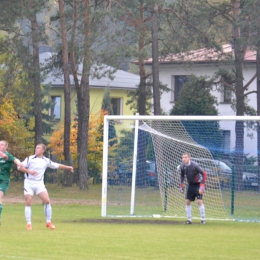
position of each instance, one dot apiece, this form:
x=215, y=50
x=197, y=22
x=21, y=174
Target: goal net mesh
x=232, y=181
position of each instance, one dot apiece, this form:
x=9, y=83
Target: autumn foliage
x=18, y=135
x=95, y=143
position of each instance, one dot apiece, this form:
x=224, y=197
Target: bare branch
x=250, y=92
x=223, y=83
x=186, y=23
x=226, y=16
x=249, y=82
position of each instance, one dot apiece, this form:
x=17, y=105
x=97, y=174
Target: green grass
x=82, y=234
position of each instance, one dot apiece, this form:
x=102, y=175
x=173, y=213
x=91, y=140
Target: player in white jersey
x=34, y=183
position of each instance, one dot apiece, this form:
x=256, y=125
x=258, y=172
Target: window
x=226, y=141
x=43, y=49
x=177, y=83
x=55, y=110
x=116, y=106
x=227, y=94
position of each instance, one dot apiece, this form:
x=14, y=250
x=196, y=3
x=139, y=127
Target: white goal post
x=141, y=155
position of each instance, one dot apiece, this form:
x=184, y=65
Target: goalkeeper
x=196, y=178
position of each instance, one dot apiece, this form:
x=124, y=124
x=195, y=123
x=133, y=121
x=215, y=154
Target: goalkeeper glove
x=202, y=188
x=182, y=188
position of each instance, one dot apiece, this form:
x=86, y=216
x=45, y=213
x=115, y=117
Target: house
x=122, y=81
x=174, y=70
x=203, y=62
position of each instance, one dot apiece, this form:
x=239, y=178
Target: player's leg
x=189, y=198
x=47, y=207
x=28, y=194
x=28, y=211
x=3, y=188
x=188, y=211
x=201, y=206
x=1, y=204
x=202, y=209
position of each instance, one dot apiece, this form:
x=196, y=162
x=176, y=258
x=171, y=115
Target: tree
x=35, y=69
x=95, y=146
x=196, y=99
x=135, y=22
x=24, y=29
x=235, y=18
x=240, y=38
x=92, y=45
x=16, y=132
x=155, y=64
x=258, y=93
x=107, y=106
x=83, y=94
x=14, y=82
x=67, y=181
x=106, y=103
x=159, y=28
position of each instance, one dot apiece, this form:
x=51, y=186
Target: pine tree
x=196, y=99
x=93, y=45
x=106, y=103
x=68, y=177
x=107, y=106
x=28, y=34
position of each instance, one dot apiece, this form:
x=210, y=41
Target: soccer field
x=82, y=234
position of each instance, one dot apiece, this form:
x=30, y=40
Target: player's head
x=40, y=149
x=186, y=158
x=3, y=145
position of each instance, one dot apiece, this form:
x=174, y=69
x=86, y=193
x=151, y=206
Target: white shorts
x=33, y=186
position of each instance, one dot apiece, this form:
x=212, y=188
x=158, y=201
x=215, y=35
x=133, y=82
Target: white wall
x=169, y=70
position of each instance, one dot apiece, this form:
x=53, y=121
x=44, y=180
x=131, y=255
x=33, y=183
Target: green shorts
x=4, y=186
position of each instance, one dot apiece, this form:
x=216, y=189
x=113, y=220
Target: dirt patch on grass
x=20, y=200
x=132, y=221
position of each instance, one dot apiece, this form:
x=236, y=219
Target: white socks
x=201, y=208
x=48, y=212
x=28, y=214
x=188, y=211
x=202, y=211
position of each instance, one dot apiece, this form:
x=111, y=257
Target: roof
x=205, y=55
x=120, y=79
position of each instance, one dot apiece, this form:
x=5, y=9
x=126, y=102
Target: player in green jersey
x=6, y=161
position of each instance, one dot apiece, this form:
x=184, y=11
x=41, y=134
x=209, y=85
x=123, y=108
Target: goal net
x=142, y=156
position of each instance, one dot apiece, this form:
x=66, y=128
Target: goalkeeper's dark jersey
x=193, y=172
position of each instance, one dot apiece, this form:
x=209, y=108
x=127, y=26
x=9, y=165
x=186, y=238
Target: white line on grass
x=21, y=257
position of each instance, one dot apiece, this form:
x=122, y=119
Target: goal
x=142, y=155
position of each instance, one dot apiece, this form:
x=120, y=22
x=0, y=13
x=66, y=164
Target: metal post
x=132, y=209
x=104, y=171
x=232, y=190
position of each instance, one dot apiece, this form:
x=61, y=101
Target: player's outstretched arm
x=18, y=162
x=25, y=170
x=65, y=167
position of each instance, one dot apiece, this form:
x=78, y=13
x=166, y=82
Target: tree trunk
x=67, y=177
x=35, y=76
x=155, y=64
x=83, y=103
x=142, y=86
x=258, y=100
x=240, y=106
